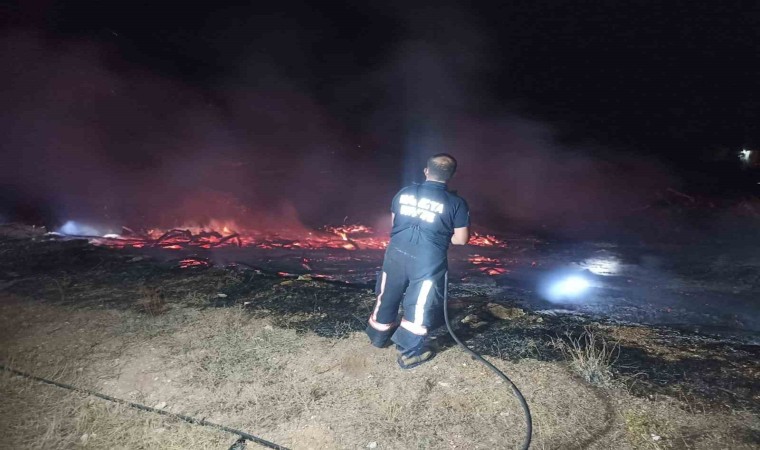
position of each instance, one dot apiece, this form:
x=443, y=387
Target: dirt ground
x=286, y=360
x=305, y=391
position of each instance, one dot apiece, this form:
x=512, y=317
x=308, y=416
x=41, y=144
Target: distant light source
x=77, y=229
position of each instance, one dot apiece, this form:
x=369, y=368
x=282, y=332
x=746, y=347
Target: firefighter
x=426, y=218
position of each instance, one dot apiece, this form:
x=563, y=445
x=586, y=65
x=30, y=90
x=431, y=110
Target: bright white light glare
x=77, y=229
x=745, y=154
x=567, y=288
x=572, y=286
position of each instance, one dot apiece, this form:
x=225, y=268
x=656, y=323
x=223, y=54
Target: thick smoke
x=514, y=173
x=88, y=136
x=112, y=144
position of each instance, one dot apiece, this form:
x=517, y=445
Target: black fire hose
x=188, y=419
x=249, y=437
x=475, y=355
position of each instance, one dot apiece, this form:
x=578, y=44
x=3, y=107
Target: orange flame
x=347, y=237
x=489, y=266
x=486, y=240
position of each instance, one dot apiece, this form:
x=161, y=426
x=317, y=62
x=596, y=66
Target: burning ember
x=193, y=263
x=490, y=266
x=486, y=240
x=224, y=235
x=348, y=237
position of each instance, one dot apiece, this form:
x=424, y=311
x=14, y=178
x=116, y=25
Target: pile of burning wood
x=348, y=237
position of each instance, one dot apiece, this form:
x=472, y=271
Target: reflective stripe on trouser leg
x=417, y=326
x=389, y=290
x=419, y=315
x=390, y=287
x=373, y=318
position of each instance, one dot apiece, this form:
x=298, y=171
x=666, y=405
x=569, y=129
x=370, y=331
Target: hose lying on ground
x=246, y=436
x=475, y=355
x=189, y=419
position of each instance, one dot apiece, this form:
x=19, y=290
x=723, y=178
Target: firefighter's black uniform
x=415, y=265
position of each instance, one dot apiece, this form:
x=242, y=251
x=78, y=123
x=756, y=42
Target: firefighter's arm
x=461, y=236
x=393, y=219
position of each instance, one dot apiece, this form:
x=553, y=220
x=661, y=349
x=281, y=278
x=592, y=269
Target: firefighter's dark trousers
x=416, y=276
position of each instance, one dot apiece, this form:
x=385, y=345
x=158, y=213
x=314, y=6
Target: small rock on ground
x=503, y=312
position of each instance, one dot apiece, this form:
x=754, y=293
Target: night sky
x=674, y=83
x=665, y=77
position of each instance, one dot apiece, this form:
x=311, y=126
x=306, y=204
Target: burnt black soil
x=706, y=371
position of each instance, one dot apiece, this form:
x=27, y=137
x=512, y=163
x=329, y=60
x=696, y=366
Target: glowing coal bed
x=632, y=284
x=348, y=252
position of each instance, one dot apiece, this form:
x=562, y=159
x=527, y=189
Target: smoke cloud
x=88, y=136
x=104, y=141
x=513, y=171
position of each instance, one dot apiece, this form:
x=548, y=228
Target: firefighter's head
x=440, y=167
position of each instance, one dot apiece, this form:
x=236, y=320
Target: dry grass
x=34, y=415
x=195, y=298
x=231, y=347
x=305, y=391
x=508, y=350
x=590, y=356
x=151, y=301
x=646, y=432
